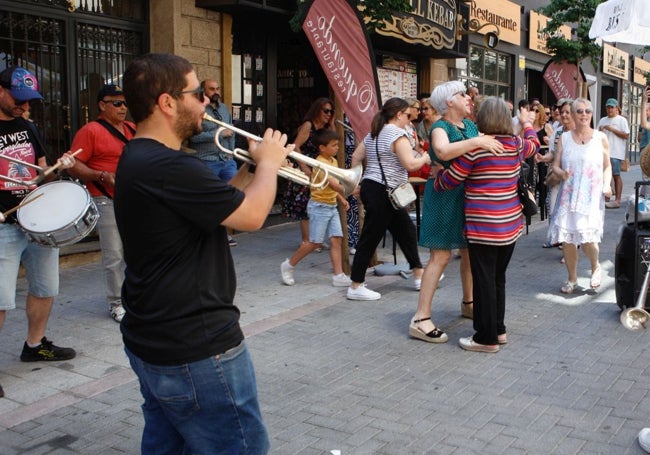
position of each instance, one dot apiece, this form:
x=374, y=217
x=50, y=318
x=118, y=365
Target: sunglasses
x=198, y=93
x=116, y=103
x=422, y=109
x=547, y=112
x=583, y=111
x=328, y=111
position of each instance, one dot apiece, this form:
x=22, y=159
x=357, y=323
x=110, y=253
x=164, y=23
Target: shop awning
x=622, y=21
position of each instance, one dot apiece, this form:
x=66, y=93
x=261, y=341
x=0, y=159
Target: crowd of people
x=178, y=249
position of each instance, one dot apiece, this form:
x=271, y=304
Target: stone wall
x=179, y=27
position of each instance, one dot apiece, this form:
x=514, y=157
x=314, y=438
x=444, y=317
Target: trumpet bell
x=634, y=318
x=349, y=178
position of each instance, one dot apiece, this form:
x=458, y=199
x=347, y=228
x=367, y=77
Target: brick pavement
x=340, y=375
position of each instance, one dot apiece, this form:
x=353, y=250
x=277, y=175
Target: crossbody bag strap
x=111, y=129
x=381, y=168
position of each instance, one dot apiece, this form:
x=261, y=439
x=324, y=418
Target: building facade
x=269, y=73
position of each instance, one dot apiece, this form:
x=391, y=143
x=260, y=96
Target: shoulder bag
x=400, y=196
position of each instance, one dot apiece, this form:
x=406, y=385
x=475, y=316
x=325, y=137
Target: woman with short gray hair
x=443, y=213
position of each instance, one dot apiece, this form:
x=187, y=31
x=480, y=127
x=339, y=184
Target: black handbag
x=526, y=193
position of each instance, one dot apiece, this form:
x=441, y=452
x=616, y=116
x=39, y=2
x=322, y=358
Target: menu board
x=397, y=78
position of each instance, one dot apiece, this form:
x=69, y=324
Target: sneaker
x=362, y=293
x=46, y=351
x=117, y=313
x=287, y=273
x=231, y=241
x=644, y=439
x=341, y=280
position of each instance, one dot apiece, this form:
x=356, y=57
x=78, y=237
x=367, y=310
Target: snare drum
x=63, y=214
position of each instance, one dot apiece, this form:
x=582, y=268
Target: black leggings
x=380, y=216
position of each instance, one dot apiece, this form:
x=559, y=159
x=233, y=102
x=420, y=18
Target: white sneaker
x=644, y=439
x=341, y=280
x=287, y=273
x=362, y=293
x=117, y=313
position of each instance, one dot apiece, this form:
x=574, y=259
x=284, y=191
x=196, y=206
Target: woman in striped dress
x=493, y=218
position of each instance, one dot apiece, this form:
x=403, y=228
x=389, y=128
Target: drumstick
x=22, y=204
x=49, y=170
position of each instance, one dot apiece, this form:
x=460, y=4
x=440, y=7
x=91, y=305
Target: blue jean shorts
x=616, y=166
x=41, y=265
x=324, y=222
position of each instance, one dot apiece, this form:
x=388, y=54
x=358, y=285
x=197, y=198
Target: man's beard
x=185, y=125
x=214, y=99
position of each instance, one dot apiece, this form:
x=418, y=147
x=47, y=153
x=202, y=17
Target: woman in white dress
x=582, y=161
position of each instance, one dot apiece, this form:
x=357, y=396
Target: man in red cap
x=19, y=139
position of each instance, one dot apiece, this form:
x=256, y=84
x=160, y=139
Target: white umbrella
x=622, y=21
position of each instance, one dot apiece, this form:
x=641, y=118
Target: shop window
x=488, y=70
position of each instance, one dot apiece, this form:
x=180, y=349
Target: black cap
x=109, y=90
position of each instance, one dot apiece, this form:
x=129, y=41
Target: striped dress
x=492, y=207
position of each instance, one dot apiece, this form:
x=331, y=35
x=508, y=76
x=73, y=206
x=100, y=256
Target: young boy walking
x=323, y=214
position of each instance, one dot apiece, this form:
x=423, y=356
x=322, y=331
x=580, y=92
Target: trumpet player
x=172, y=212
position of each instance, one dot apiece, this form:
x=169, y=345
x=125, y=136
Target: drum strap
x=111, y=129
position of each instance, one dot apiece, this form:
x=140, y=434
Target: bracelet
x=101, y=176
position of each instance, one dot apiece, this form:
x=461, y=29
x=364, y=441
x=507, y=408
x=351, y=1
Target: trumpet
x=636, y=318
x=349, y=178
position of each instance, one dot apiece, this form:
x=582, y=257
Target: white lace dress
x=579, y=212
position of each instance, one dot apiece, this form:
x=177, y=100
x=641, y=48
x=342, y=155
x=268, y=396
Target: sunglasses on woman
x=328, y=111
x=583, y=111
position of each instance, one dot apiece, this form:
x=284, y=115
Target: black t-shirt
x=180, y=279
x=17, y=140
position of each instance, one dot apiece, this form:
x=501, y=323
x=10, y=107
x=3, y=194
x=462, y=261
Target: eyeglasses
x=116, y=103
x=583, y=111
x=328, y=111
x=422, y=109
x=198, y=93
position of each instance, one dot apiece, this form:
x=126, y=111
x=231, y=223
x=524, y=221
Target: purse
x=400, y=196
x=526, y=194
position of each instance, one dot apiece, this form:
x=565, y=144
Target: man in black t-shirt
x=19, y=140
x=181, y=329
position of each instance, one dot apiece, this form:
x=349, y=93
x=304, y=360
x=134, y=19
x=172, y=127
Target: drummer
x=19, y=139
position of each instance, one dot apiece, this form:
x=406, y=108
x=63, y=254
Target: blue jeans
x=201, y=408
x=225, y=170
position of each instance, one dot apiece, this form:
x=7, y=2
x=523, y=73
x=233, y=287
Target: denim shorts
x=324, y=222
x=208, y=406
x=41, y=265
x=616, y=166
